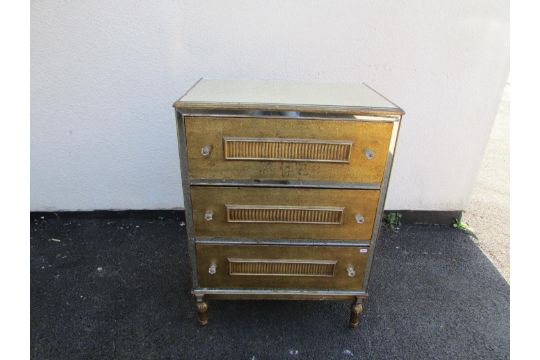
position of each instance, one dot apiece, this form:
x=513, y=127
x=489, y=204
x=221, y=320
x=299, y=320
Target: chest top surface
x=285, y=95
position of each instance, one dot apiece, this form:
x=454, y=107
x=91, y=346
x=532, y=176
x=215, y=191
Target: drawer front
x=287, y=149
x=283, y=213
x=285, y=267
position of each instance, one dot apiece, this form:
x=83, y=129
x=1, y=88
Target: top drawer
x=286, y=149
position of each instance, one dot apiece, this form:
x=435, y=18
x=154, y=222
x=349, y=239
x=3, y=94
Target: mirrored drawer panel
x=283, y=213
x=287, y=149
x=273, y=266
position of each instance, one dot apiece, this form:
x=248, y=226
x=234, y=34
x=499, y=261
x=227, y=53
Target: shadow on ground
x=119, y=288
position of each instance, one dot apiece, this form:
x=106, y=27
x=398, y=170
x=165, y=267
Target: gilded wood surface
x=202, y=312
x=215, y=199
x=343, y=256
x=202, y=131
x=356, y=310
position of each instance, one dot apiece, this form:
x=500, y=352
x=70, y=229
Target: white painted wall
x=105, y=73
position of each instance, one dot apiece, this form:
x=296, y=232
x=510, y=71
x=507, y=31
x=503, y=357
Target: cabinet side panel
x=382, y=200
x=182, y=150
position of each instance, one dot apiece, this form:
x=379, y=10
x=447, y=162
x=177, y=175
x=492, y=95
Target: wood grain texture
x=215, y=199
x=202, y=131
x=344, y=256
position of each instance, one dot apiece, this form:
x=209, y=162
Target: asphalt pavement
x=119, y=288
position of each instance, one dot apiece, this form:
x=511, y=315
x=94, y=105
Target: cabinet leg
x=356, y=310
x=202, y=310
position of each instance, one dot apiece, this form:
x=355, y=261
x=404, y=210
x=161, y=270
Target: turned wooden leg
x=356, y=310
x=202, y=310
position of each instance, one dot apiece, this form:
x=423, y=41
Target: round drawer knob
x=359, y=218
x=206, y=150
x=350, y=271
x=212, y=269
x=209, y=215
x=370, y=154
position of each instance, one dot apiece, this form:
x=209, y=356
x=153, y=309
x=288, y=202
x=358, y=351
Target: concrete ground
x=119, y=288
x=488, y=213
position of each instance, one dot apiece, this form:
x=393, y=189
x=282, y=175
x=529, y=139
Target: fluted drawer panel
x=281, y=267
x=284, y=214
x=238, y=148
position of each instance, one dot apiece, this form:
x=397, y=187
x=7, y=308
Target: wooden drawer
x=284, y=267
x=287, y=149
x=283, y=213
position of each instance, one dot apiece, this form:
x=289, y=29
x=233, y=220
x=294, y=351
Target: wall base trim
x=428, y=217
x=109, y=214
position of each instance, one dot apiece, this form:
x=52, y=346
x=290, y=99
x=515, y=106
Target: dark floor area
x=119, y=289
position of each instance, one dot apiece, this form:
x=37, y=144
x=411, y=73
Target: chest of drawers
x=284, y=186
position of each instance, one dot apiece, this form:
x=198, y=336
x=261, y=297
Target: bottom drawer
x=284, y=267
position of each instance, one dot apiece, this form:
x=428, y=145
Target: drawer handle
x=359, y=218
x=350, y=271
x=282, y=149
x=212, y=269
x=281, y=267
x=206, y=150
x=323, y=215
x=369, y=153
x=209, y=215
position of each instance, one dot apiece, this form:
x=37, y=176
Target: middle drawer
x=283, y=213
